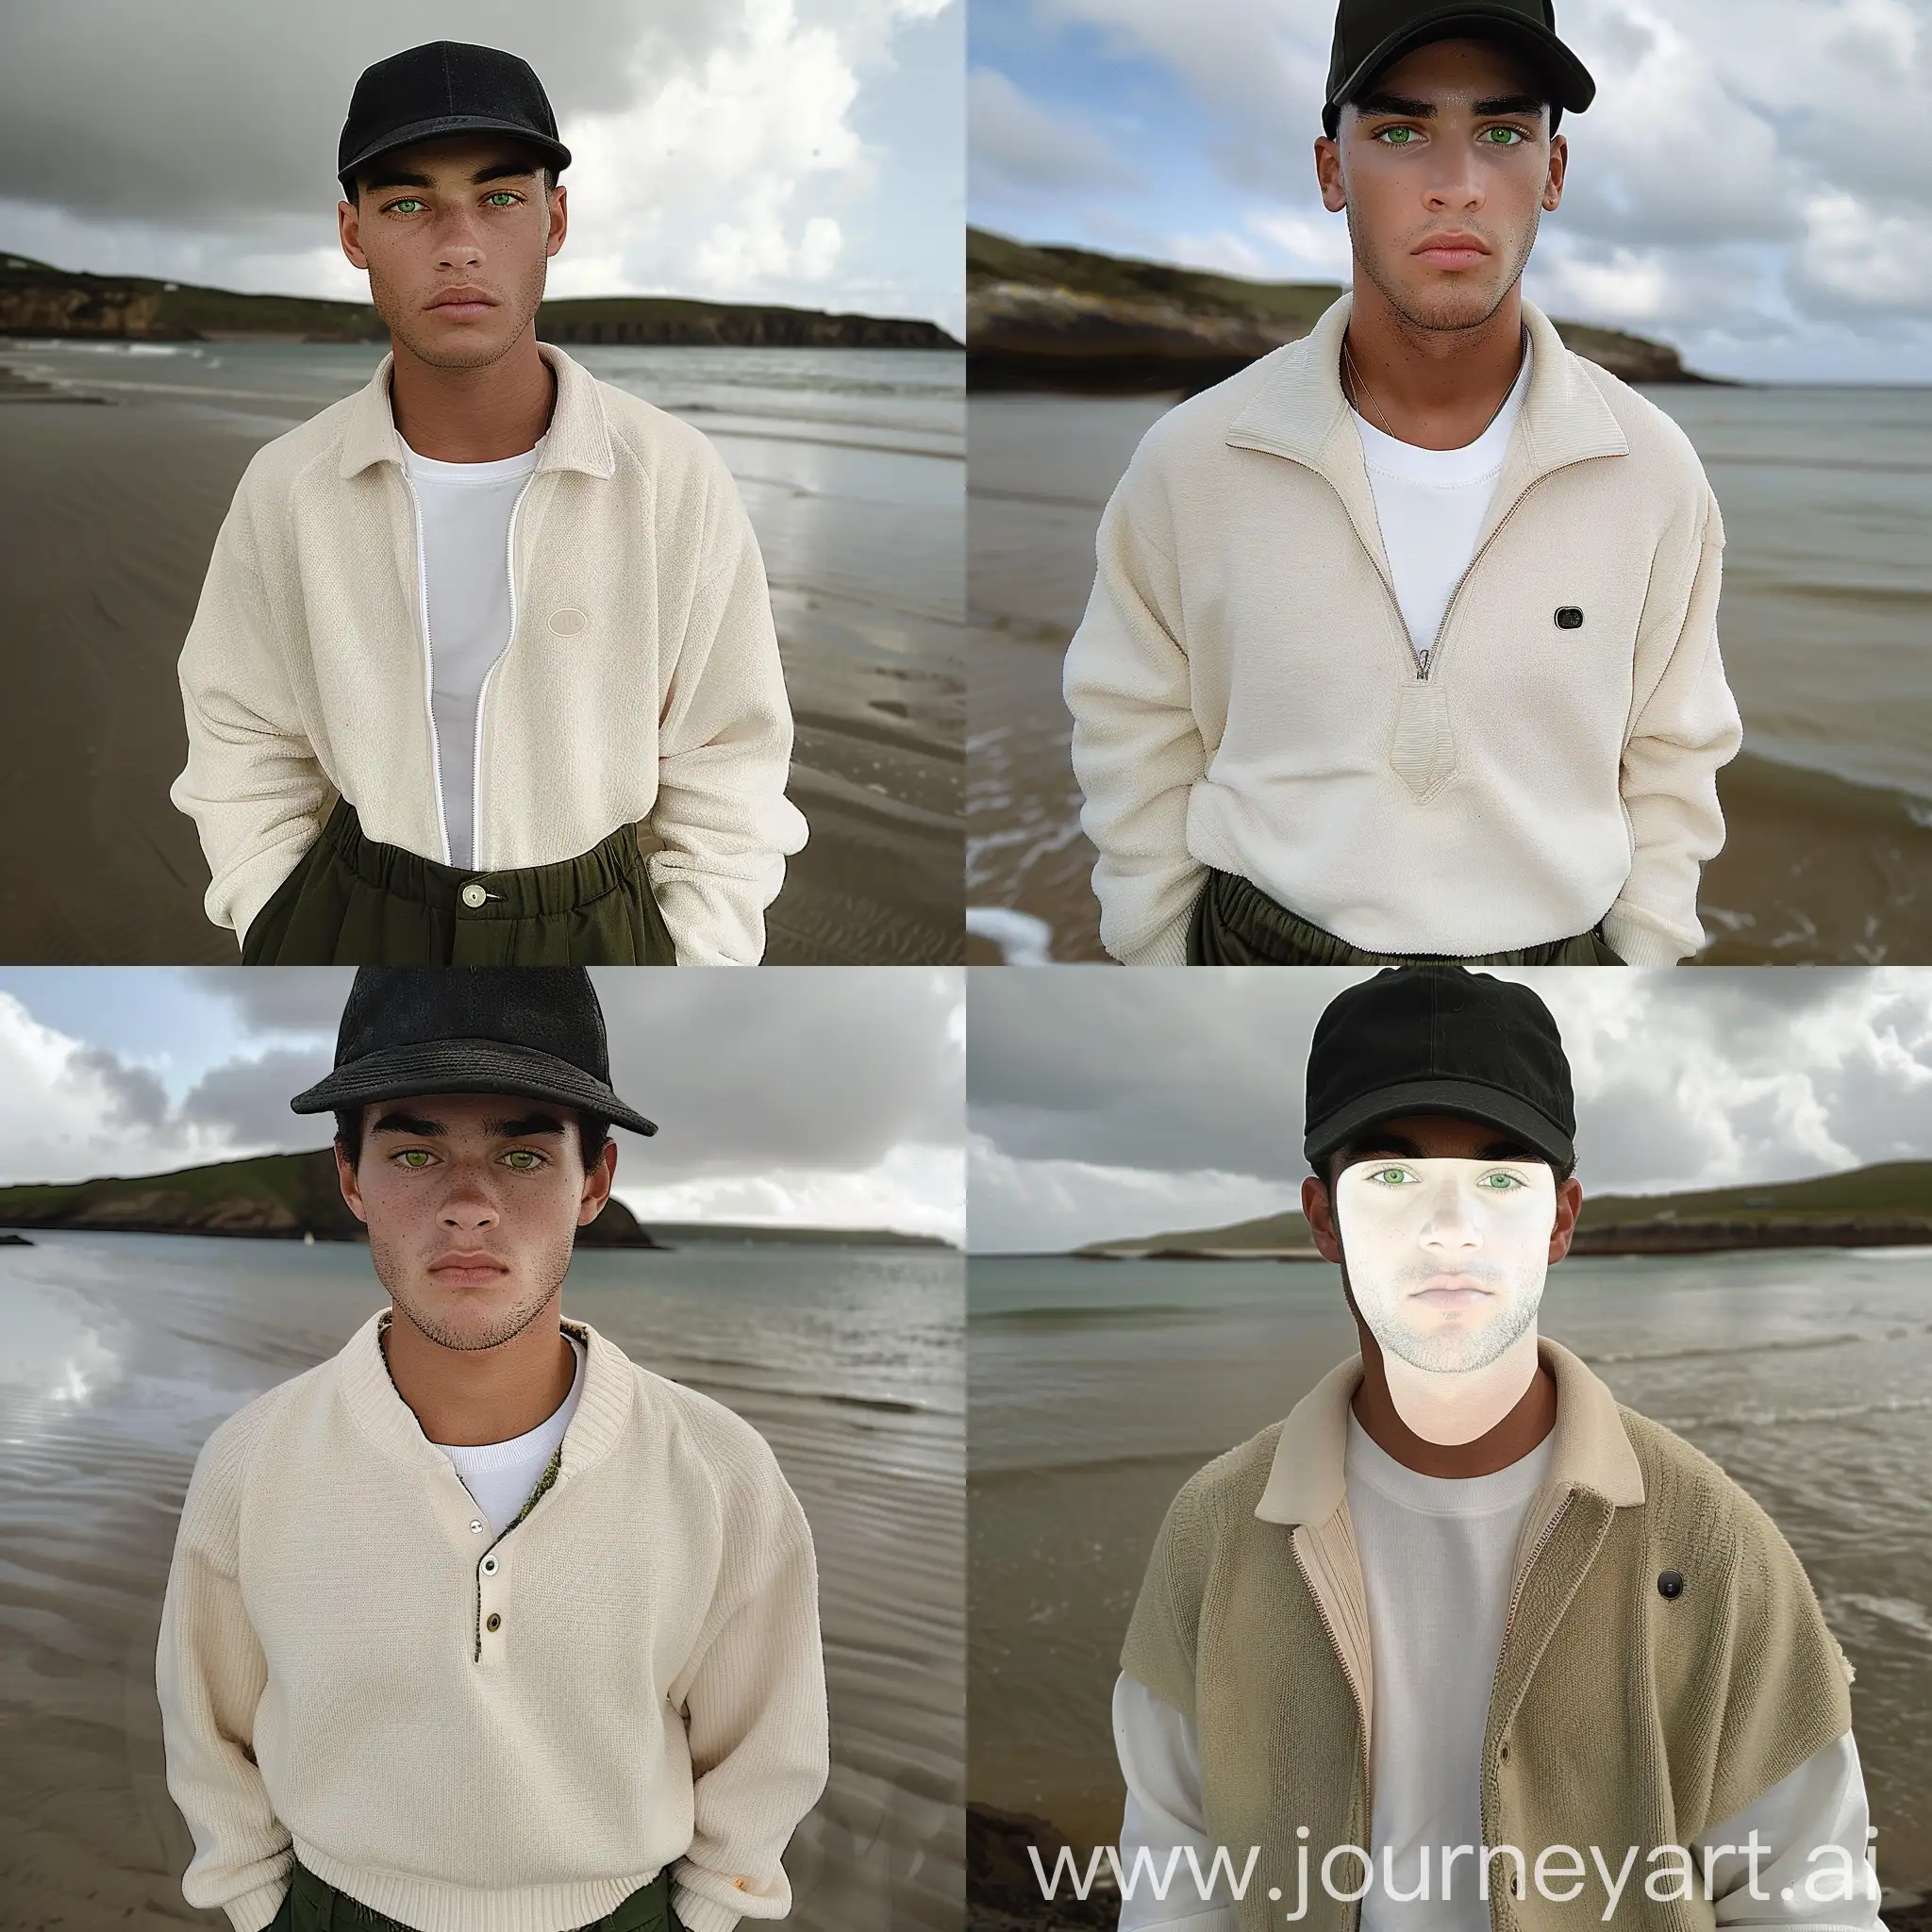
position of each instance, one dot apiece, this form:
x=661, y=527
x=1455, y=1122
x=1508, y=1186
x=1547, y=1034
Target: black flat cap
x=528, y=1030
x=1370, y=35
x=445, y=87
x=1439, y=1040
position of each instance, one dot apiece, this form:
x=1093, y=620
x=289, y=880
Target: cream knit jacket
x=478, y=1736
x=640, y=685
x=1245, y=695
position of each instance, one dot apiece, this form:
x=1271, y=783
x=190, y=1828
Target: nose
x=469, y=1204
x=1451, y=1220
x=1458, y=186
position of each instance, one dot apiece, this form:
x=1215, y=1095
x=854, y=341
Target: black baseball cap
x=1439, y=1040
x=1370, y=35
x=445, y=87
x=529, y=1030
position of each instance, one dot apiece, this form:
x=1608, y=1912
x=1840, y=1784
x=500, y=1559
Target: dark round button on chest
x=1670, y=1584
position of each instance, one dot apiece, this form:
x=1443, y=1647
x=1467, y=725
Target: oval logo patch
x=569, y=621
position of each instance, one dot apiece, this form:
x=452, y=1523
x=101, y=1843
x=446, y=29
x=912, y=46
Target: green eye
x=408, y=201
x=1503, y=1183
x=1391, y=1176
x=1510, y=137
x=501, y=194
x=522, y=1159
x=1397, y=137
x=415, y=1158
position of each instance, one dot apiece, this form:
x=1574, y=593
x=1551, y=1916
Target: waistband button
x=472, y=895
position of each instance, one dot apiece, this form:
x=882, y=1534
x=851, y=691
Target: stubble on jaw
x=1453, y=312
x=392, y=1270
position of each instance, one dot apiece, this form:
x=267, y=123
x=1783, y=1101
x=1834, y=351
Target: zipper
x=510, y=563
x=428, y=667
x=1422, y=669
x=1355, y=1909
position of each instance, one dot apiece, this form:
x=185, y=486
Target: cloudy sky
x=814, y=1097
x=1118, y=1103
x=1747, y=184
x=801, y=151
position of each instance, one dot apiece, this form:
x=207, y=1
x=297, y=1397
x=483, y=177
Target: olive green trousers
x=353, y=901
x=1236, y=924
x=314, y=1904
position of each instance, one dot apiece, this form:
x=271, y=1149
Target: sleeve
x=723, y=754
x=1684, y=726
x=209, y=1673
x=252, y=783
x=1813, y=1873
x=753, y=1702
x=1167, y=1872
x=1137, y=749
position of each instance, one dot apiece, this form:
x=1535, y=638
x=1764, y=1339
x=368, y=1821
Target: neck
x=1437, y=389
x=473, y=415
x=466, y=1397
x=1507, y=1413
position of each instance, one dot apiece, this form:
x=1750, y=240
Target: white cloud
x=1014, y=141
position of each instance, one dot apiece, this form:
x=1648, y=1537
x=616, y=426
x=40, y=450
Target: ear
x=345, y=1178
x=349, y=231
x=1569, y=1205
x=1559, y=166
x=560, y=219
x=1319, y=1211
x=597, y=1179
x=1328, y=174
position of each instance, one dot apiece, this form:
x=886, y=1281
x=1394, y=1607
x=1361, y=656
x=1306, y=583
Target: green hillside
x=1865, y=1206
x=38, y=299
x=286, y=1196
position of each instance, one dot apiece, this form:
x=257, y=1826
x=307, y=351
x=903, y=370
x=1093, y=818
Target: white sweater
x=481, y=1735
x=1245, y=695
x=642, y=682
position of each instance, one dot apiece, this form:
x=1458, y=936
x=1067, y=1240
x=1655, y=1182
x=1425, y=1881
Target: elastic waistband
x=529, y=892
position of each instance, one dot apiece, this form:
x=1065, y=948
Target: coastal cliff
x=296, y=1196
x=1884, y=1206
x=1076, y=319
x=37, y=299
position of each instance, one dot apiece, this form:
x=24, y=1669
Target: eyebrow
x=526, y=1127
x=1409, y=1150
x=495, y=170
x=1426, y=110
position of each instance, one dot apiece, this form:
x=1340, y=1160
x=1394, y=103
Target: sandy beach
x=851, y=463
x=1829, y=809
x=1098, y=1388
x=126, y=1350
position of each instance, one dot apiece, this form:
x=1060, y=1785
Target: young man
x=469, y=632
x=1462, y=1599
x=1402, y=644
x=480, y=1626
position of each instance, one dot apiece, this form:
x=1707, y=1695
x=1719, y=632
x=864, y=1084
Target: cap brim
x=1467, y=1100
x=1571, y=86
x=467, y=1066
x=454, y=124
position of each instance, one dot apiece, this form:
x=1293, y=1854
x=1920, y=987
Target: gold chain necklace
x=1359, y=383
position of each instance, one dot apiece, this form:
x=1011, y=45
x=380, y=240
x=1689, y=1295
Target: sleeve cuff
x=1168, y=947
x=697, y=1913
x=1637, y=942
x=255, y=1910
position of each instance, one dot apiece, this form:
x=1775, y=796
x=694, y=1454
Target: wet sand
x=1828, y=853
x=125, y=1351
x=1096, y=1390
x=107, y=518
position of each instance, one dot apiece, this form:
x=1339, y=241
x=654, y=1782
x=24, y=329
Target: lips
x=1454, y=250
x=467, y=1270
x=462, y=303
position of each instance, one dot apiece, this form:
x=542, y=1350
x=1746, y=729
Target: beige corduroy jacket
x=1245, y=695
x=1618, y=1716
x=640, y=683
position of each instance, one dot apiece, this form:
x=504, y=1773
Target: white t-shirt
x=1431, y=504
x=500, y=1475
x=465, y=511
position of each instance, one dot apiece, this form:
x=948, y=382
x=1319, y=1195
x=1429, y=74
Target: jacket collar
x=1304, y=1481
x=580, y=437
x=1301, y=413
x=604, y=1405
